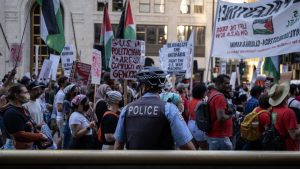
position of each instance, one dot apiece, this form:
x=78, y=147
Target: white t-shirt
x=59, y=98
x=78, y=118
x=35, y=110
x=295, y=103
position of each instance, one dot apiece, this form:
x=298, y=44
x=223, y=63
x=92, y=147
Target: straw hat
x=278, y=93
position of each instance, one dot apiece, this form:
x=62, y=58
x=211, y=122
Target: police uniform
x=151, y=124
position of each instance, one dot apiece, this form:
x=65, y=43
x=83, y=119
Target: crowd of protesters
x=64, y=115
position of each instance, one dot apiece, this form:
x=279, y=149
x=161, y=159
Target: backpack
x=99, y=131
x=250, y=126
x=296, y=110
x=271, y=139
x=203, y=119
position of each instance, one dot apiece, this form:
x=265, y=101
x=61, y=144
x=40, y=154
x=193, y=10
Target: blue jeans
x=219, y=143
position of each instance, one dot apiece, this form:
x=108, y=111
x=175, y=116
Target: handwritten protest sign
x=128, y=57
x=45, y=71
x=261, y=29
x=67, y=58
x=55, y=62
x=96, y=66
x=80, y=73
x=174, y=56
x=16, y=55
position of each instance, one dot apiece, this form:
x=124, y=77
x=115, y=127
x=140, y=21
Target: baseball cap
x=34, y=85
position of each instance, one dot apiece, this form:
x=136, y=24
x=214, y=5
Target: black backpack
x=203, y=119
x=296, y=110
x=271, y=139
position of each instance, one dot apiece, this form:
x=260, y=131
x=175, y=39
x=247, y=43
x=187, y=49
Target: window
x=117, y=5
x=97, y=31
x=144, y=6
x=154, y=37
x=36, y=39
x=185, y=7
x=100, y=5
x=198, y=6
x=183, y=34
x=159, y=6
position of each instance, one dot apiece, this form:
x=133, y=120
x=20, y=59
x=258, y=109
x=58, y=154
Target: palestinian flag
x=126, y=28
x=271, y=67
x=263, y=26
x=52, y=31
x=106, y=36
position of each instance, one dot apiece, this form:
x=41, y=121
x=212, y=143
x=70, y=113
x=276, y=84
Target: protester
x=182, y=90
x=221, y=117
x=151, y=124
x=255, y=92
x=110, y=120
x=81, y=127
x=18, y=123
x=198, y=95
x=283, y=117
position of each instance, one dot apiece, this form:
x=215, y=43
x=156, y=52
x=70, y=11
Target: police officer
x=149, y=123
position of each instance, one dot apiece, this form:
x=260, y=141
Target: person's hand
x=92, y=124
x=45, y=138
x=13, y=72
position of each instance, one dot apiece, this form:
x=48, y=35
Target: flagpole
x=74, y=34
x=4, y=37
x=213, y=40
x=23, y=33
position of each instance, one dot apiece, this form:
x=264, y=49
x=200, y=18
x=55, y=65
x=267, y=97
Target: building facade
x=157, y=22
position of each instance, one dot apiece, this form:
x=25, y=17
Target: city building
x=157, y=22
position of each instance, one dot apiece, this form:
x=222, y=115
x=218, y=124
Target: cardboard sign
x=127, y=58
x=96, y=66
x=45, y=71
x=55, y=62
x=80, y=73
x=16, y=55
x=286, y=77
x=67, y=58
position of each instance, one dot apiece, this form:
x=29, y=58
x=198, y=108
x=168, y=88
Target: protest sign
x=45, y=71
x=286, y=77
x=223, y=66
x=174, y=56
x=67, y=58
x=261, y=29
x=96, y=66
x=55, y=62
x=127, y=58
x=16, y=55
x=80, y=73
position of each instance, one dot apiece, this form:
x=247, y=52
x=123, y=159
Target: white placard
x=55, y=61
x=45, y=71
x=233, y=79
x=96, y=66
x=223, y=66
x=261, y=29
x=67, y=58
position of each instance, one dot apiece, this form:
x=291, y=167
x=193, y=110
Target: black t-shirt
x=109, y=125
x=17, y=119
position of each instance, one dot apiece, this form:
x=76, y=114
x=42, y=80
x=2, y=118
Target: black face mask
x=86, y=107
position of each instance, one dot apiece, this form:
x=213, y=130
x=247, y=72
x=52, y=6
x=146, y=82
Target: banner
x=174, y=56
x=45, y=71
x=67, y=58
x=260, y=29
x=96, y=66
x=80, y=73
x=55, y=62
x=16, y=55
x=128, y=57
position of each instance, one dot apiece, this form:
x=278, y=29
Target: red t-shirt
x=185, y=104
x=191, y=110
x=263, y=119
x=286, y=120
x=220, y=129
